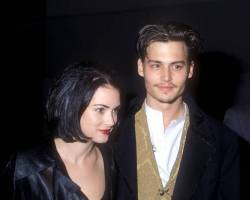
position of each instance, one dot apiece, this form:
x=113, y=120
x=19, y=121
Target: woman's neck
x=76, y=152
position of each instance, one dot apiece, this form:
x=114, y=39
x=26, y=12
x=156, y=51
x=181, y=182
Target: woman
x=82, y=112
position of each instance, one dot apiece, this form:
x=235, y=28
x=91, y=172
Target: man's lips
x=165, y=87
x=105, y=131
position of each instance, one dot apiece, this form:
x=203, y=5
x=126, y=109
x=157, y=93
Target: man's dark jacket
x=209, y=168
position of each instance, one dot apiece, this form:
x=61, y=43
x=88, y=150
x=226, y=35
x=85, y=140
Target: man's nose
x=166, y=73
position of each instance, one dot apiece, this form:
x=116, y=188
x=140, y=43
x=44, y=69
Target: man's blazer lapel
x=197, y=151
x=126, y=155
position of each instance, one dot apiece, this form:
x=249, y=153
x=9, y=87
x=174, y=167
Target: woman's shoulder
x=33, y=160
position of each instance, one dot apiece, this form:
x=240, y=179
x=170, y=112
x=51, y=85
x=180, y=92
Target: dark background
x=41, y=38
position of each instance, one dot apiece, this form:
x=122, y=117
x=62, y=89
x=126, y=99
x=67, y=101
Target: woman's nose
x=110, y=119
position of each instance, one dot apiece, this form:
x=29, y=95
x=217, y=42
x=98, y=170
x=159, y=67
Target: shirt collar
x=153, y=114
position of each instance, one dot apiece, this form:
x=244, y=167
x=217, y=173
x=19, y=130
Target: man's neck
x=170, y=111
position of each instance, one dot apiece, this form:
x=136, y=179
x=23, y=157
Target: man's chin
x=169, y=99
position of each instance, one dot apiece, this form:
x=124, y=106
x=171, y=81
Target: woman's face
x=100, y=116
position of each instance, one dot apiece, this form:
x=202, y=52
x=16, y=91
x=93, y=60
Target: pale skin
x=83, y=161
x=166, y=70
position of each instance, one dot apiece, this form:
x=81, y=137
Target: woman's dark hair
x=171, y=31
x=70, y=96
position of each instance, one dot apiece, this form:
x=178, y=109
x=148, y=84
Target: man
x=169, y=149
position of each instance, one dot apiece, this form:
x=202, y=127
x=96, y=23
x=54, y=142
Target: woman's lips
x=105, y=131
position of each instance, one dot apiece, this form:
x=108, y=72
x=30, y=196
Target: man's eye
x=177, y=67
x=156, y=66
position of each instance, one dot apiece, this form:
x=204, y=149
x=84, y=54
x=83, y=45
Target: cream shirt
x=165, y=143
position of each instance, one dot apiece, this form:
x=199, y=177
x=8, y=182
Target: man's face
x=165, y=70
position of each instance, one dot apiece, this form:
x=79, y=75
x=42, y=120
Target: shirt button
x=154, y=148
x=161, y=192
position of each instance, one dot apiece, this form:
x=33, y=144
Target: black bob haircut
x=70, y=96
x=170, y=31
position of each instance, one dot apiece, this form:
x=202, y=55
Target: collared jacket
x=209, y=169
x=39, y=174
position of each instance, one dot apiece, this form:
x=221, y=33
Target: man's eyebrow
x=171, y=63
x=154, y=61
x=178, y=62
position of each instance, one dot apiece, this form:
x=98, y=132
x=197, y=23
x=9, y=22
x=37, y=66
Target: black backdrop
x=41, y=38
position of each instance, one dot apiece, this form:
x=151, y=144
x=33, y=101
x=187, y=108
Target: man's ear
x=191, y=70
x=140, y=67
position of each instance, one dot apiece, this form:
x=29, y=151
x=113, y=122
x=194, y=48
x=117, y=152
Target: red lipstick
x=105, y=131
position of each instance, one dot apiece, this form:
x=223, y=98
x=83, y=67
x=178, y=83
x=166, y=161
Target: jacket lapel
x=125, y=155
x=197, y=151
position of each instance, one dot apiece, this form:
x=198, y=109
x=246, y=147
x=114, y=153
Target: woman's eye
x=115, y=111
x=99, y=110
